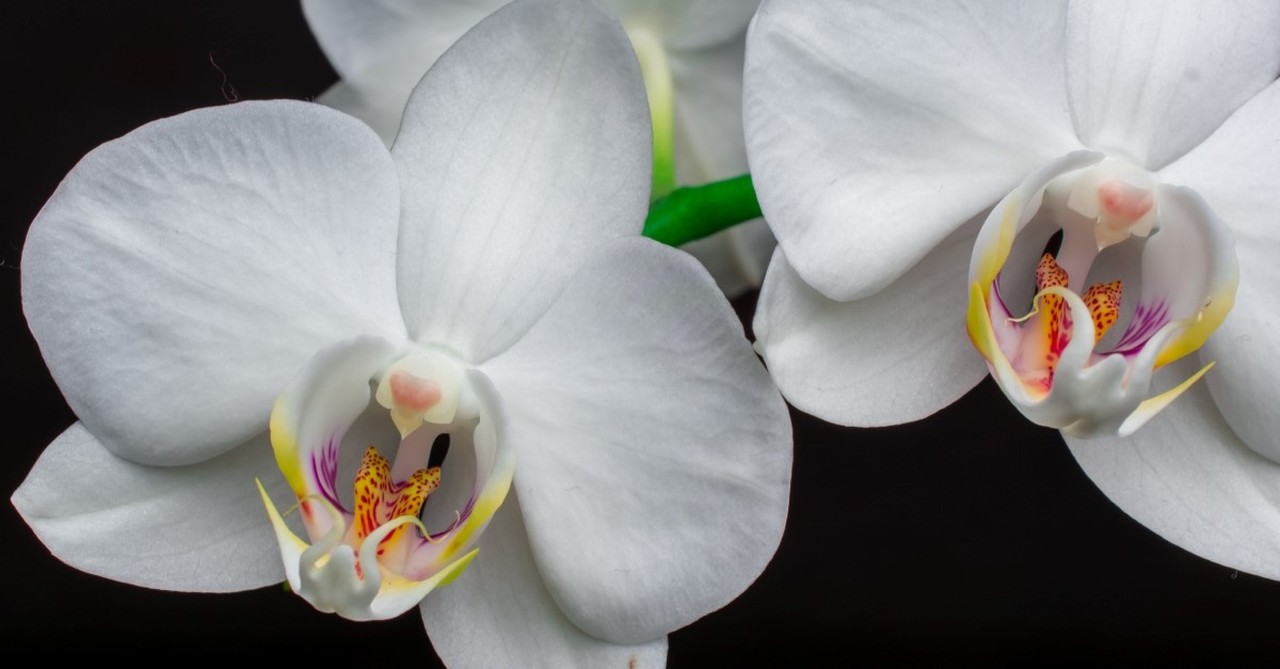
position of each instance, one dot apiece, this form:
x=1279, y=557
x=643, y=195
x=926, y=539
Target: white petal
x=708, y=105
x=181, y=274
x=377, y=105
x=653, y=452
x=199, y=528
x=1188, y=478
x=361, y=36
x=1246, y=377
x=688, y=24
x=894, y=357
x=499, y=613
x=1235, y=170
x=737, y=257
x=523, y=149
x=875, y=129
x=1152, y=79
x=383, y=47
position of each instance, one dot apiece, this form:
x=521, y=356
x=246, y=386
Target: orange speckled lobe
x=1125, y=203
x=1057, y=323
x=379, y=500
x=1049, y=273
x=372, y=484
x=410, y=498
x=414, y=394
x=1103, y=300
x=407, y=500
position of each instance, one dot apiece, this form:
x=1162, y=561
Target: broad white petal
x=522, y=150
x=753, y=246
x=737, y=257
x=499, y=614
x=708, y=106
x=875, y=129
x=1151, y=79
x=1189, y=478
x=1236, y=171
x=358, y=37
x=894, y=357
x=687, y=24
x=653, y=452
x=181, y=274
x=1246, y=377
x=383, y=47
x=378, y=105
x=199, y=528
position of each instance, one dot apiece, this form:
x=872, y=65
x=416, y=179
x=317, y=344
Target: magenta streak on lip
x=995, y=288
x=324, y=470
x=1147, y=320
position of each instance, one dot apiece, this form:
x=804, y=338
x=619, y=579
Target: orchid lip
x=1088, y=278
x=375, y=557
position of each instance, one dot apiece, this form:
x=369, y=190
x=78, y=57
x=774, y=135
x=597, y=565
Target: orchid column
x=1086, y=188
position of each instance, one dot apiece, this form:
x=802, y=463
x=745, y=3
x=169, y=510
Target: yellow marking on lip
x=994, y=255
x=284, y=443
x=1057, y=324
x=372, y=484
x=1201, y=325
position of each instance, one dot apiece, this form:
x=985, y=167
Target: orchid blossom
x=262, y=289
x=691, y=57
x=1081, y=190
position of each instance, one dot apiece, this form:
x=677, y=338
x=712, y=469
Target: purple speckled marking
x=1147, y=320
x=324, y=469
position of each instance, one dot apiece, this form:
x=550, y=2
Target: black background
x=968, y=538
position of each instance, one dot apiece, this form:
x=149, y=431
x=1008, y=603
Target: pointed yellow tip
x=455, y=570
x=1154, y=405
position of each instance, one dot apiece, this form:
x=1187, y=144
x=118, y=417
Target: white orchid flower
x=616, y=452
x=1083, y=176
x=691, y=56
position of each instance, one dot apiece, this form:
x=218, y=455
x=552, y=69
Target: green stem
x=694, y=212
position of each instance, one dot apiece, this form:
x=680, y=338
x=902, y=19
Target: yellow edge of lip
x=1191, y=338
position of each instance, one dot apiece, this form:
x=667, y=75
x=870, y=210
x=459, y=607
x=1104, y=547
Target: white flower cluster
x=422, y=316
